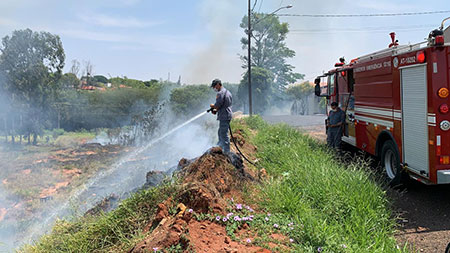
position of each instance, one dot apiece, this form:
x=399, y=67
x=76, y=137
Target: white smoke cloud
x=220, y=58
x=128, y=174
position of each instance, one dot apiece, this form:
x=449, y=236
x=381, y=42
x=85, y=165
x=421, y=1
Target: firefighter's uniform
x=224, y=114
x=334, y=133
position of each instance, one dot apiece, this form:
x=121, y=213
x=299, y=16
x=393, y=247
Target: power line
x=260, y=5
x=355, y=31
x=254, y=5
x=362, y=15
x=365, y=29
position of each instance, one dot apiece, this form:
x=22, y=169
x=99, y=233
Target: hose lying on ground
x=212, y=110
x=240, y=152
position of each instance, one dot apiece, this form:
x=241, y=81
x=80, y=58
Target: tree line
x=36, y=95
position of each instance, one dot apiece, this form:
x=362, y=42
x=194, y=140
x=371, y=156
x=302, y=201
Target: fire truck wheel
x=390, y=160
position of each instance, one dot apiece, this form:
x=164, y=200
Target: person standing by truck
x=222, y=106
x=335, y=126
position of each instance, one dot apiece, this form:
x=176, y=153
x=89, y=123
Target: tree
x=88, y=69
x=134, y=83
x=189, y=100
x=269, y=50
x=31, y=63
x=263, y=90
x=299, y=93
x=100, y=79
x=75, y=68
x=69, y=80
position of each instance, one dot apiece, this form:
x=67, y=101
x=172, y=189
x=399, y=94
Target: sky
x=200, y=40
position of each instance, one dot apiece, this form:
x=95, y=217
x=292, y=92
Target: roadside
x=302, y=201
x=313, y=125
x=423, y=211
x=424, y=216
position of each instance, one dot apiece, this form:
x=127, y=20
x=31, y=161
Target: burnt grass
x=332, y=206
x=37, y=178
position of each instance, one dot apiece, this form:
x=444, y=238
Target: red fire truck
x=397, y=106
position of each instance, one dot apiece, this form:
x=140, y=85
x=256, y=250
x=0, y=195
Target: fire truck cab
x=397, y=106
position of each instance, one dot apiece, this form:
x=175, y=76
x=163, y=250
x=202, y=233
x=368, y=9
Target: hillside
x=304, y=200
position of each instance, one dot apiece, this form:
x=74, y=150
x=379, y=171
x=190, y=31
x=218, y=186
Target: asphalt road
x=296, y=120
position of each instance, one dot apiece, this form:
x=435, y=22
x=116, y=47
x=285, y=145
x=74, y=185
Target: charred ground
x=302, y=201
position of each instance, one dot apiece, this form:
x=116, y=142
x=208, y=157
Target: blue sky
x=199, y=40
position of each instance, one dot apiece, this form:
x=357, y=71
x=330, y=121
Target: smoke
x=8, y=228
x=281, y=108
x=219, y=59
x=128, y=174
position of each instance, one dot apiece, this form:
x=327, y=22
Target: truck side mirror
x=317, y=87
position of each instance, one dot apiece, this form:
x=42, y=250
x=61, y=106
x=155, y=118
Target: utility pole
x=249, y=62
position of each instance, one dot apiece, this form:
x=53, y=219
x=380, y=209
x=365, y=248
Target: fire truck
x=397, y=106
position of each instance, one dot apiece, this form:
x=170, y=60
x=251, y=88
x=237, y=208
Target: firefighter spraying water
x=396, y=106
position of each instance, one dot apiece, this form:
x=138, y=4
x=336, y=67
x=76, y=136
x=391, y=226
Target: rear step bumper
x=443, y=176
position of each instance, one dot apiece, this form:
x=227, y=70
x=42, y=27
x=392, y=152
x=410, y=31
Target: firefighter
x=335, y=125
x=224, y=113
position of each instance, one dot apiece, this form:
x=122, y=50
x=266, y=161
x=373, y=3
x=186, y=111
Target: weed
x=332, y=203
x=116, y=230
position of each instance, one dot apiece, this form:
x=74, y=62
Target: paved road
x=297, y=120
x=314, y=125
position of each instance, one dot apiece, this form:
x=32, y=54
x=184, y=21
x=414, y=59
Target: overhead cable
x=364, y=29
x=362, y=15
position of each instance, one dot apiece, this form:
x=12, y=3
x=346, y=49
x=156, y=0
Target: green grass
x=333, y=206
x=337, y=207
x=116, y=231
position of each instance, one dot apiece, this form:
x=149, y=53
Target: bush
x=109, y=232
x=191, y=99
x=57, y=132
x=104, y=109
x=117, y=81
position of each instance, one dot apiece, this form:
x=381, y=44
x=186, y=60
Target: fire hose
x=214, y=111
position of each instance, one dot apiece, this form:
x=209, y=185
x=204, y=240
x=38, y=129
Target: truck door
x=348, y=105
x=415, y=118
x=333, y=91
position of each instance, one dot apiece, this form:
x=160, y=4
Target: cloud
x=129, y=2
x=384, y=6
x=7, y=22
x=172, y=44
x=122, y=22
x=95, y=36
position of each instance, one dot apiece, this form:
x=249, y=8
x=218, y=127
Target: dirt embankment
x=206, y=187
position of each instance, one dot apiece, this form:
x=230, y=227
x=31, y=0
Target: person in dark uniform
x=335, y=124
x=222, y=106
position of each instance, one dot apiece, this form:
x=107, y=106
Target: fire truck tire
x=390, y=159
